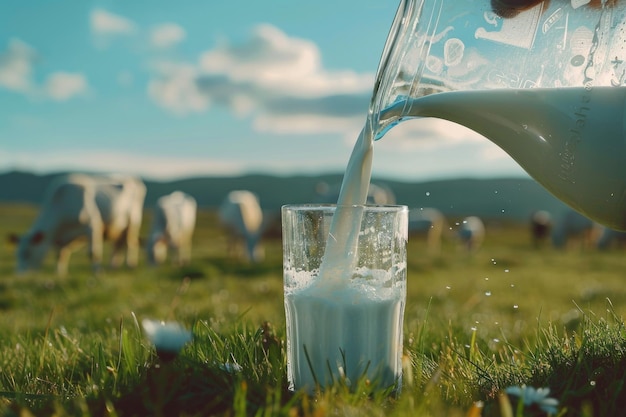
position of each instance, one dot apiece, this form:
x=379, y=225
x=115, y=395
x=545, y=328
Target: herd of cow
x=572, y=229
x=79, y=209
x=566, y=230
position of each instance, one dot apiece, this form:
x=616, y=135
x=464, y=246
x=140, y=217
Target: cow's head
x=31, y=250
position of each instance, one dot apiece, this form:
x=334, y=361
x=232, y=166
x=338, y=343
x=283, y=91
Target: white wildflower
x=538, y=396
x=168, y=338
x=231, y=368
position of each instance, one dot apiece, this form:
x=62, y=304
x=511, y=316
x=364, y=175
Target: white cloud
x=175, y=88
x=167, y=35
x=16, y=66
x=273, y=61
x=107, y=23
x=62, y=86
x=309, y=124
x=105, y=26
x=104, y=160
x=277, y=80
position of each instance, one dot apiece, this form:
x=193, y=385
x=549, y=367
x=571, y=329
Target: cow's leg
x=184, y=252
x=132, y=254
x=63, y=260
x=132, y=244
x=117, y=255
x=96, y=246
x=236, y=247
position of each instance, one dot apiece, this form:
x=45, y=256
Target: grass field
x=475, y=324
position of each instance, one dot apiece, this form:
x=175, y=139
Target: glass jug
x=543, y=80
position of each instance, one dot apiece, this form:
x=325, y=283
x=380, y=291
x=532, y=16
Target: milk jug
x=544, y=80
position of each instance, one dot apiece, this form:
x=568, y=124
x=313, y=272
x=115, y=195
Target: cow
x=241, y=216
x=540, y=227
x=471, y=233
x=173, y=224
x=428, y=222
x=574, y=228
x=78, y=208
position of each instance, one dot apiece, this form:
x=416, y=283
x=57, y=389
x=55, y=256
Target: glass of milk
x=344, y=310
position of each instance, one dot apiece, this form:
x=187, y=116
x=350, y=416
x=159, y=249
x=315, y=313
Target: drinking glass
x=544, y=80
x=345, y=322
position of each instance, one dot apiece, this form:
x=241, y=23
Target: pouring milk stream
x=567, y=132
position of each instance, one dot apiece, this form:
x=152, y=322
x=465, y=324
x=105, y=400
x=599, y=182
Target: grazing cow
x=428, y=222
x=540, y=227
x=377, y=194
x=571, y=228
x=471, y=233
x=173, y=224
x=80, y=207
x=240, y=214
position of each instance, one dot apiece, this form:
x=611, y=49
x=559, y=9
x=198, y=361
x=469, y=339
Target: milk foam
x=365, y=284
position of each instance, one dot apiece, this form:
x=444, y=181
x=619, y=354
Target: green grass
x=474, y=325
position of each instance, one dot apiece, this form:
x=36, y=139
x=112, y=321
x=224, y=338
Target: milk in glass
x=345, y=332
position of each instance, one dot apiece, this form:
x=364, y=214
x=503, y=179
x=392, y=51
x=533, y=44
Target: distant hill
x=500, y=198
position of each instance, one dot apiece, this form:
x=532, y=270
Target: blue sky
x=169, y=89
